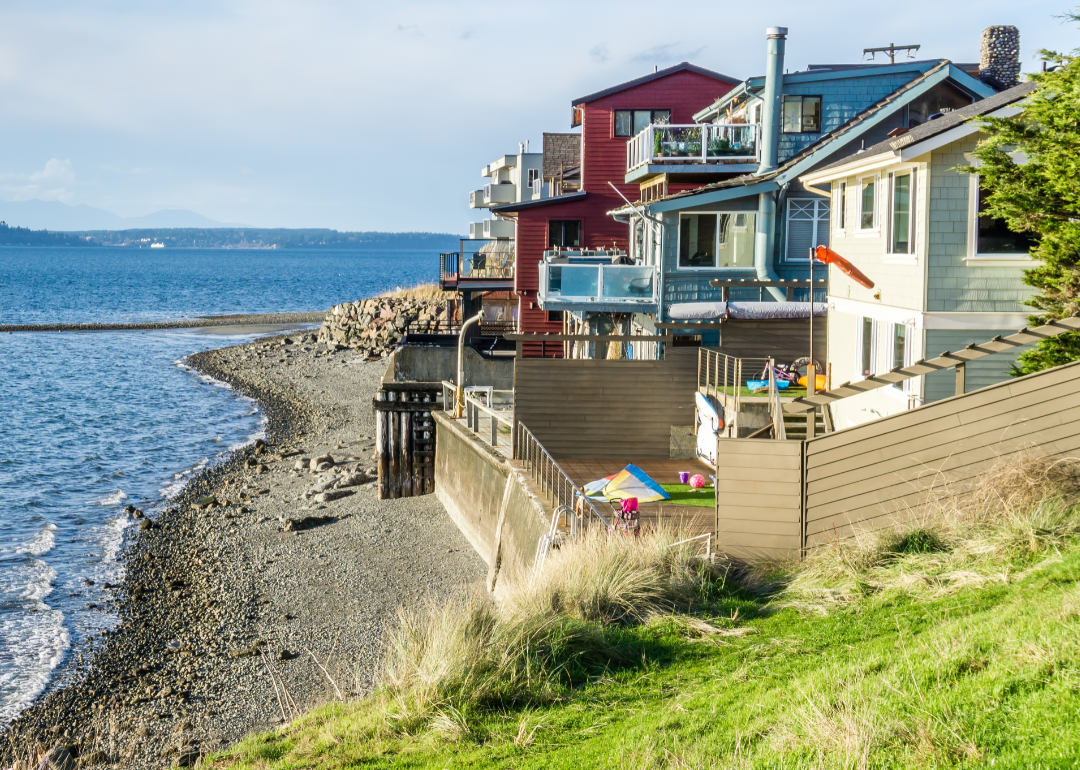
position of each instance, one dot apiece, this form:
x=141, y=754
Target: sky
x=379, y=115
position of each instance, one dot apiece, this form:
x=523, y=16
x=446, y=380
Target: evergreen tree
x=1040, y=194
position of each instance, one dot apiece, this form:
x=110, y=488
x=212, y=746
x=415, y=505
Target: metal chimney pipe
x=771, y=107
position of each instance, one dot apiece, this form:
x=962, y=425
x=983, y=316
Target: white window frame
x=716, y=242
x=906, y=258
x=818, y=221
x=875, y=228
x=859, y=339
x=839, y=206
x=906, y=387
x=533, y=175
x=973, y=258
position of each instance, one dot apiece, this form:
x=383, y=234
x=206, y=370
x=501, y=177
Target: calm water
x=92, y=422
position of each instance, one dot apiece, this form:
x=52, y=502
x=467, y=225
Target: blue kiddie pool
x=763, y=384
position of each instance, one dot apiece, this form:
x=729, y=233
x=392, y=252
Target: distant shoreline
x=242, y=322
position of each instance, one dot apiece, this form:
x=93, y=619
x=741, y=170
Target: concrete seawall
x=489, y=500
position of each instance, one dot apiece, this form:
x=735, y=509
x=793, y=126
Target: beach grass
x=423, y=292
x=951, y=642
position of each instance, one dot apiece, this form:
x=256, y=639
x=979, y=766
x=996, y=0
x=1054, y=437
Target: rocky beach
x=266, y=586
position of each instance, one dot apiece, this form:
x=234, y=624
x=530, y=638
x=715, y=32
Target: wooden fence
x=597, y=409
x=878, y=474
x=405, y=437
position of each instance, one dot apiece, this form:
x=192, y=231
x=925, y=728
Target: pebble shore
x=265, y=589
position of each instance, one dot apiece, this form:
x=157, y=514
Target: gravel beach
x=265, y=589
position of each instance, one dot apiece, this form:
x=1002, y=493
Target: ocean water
x=91, y=422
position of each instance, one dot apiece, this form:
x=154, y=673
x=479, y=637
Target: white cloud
x=52, y=183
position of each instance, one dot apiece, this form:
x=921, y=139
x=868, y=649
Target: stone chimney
x=999, y=59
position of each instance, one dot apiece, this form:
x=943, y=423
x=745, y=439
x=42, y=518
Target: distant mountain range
x=56, y=216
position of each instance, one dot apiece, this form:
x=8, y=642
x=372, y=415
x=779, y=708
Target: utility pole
x=892, y=49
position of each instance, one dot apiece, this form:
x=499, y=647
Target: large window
x=802, y=114
x=716, y=240
x=902, y=212
x=993, y=236
x=564, y=233
x=841, y=206
x=633, y=122
x=900, y=352
x=867, y=203
x=807, y=227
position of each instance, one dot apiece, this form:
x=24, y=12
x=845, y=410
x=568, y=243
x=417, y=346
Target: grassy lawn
x=682, y=494
x=745, y=392
x=982, y=678
x=954, y=645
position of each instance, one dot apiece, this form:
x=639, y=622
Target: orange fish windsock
x=830, y=257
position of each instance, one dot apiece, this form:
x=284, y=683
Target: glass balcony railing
x=597, y=284
x=701, y=143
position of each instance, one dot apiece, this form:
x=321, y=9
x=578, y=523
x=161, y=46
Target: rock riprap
x=376, y=325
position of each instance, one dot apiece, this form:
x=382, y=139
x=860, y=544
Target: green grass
x=682, y=494
x=951, y=644
x=745, y=392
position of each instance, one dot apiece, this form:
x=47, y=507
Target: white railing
x=696, y=143
x=598, y=283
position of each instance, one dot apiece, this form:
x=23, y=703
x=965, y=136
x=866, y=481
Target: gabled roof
x=941, y=125
x=803, y=160
x=821, y=72
x=683, y=67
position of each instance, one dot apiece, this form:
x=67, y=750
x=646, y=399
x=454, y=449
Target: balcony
x=490, y=229
x=692, y=149
x=493, y=195
x=577, y=281
x=479, y=265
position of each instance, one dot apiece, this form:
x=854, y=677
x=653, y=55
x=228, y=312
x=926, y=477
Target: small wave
x=42, y=543
x=115, y=498
x=181, y=479
x=34, y=643
x=112, y=537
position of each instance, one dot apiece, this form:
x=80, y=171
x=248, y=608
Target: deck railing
x=692, y=143
x=478, y=262
x=552, y=481
x=721, y=374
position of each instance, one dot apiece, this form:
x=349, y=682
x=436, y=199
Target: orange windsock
x=830, y=257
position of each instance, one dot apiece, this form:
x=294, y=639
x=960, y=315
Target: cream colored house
x=944, y=277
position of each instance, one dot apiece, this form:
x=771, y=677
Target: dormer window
x=802, y=114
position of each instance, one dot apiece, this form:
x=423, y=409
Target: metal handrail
x=551, y=479
x=474, y=407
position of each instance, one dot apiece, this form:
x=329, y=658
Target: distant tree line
x=268, y=238
x=23, y=236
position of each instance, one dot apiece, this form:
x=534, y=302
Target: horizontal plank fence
x=600, y=409
x=784, y=497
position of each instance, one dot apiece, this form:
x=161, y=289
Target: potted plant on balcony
x=693, y=142
x=720, y=146
x=658, y=145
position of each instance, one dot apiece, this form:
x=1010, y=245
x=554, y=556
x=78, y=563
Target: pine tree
x=1030, y=169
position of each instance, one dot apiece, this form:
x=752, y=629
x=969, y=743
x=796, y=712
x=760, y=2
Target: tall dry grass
x=1009, y=520
x=424, y=292
x=445, y=663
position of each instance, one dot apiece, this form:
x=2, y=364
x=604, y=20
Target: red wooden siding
x=603, y=160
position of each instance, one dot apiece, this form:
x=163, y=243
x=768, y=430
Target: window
x=993, y=236
x=633, y=122
x=534, y=174
x=902, y=213
x=564, y=233
x=841, y=206
x=900, y=353
x=802, y=114
x=697, y=240
x=807, y=227
x=867, y=347
x=716, y=240
x=868, y=193
x=555, y=316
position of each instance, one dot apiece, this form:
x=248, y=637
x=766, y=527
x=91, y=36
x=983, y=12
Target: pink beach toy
x=697, y=481
x=684, y=476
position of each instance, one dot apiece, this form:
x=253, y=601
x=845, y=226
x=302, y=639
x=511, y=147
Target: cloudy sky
x=378, y=115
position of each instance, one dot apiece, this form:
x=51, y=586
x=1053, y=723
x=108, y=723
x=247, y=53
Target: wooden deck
x=694, y=518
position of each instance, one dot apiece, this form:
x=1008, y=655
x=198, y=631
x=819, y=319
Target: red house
x=608, y=119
